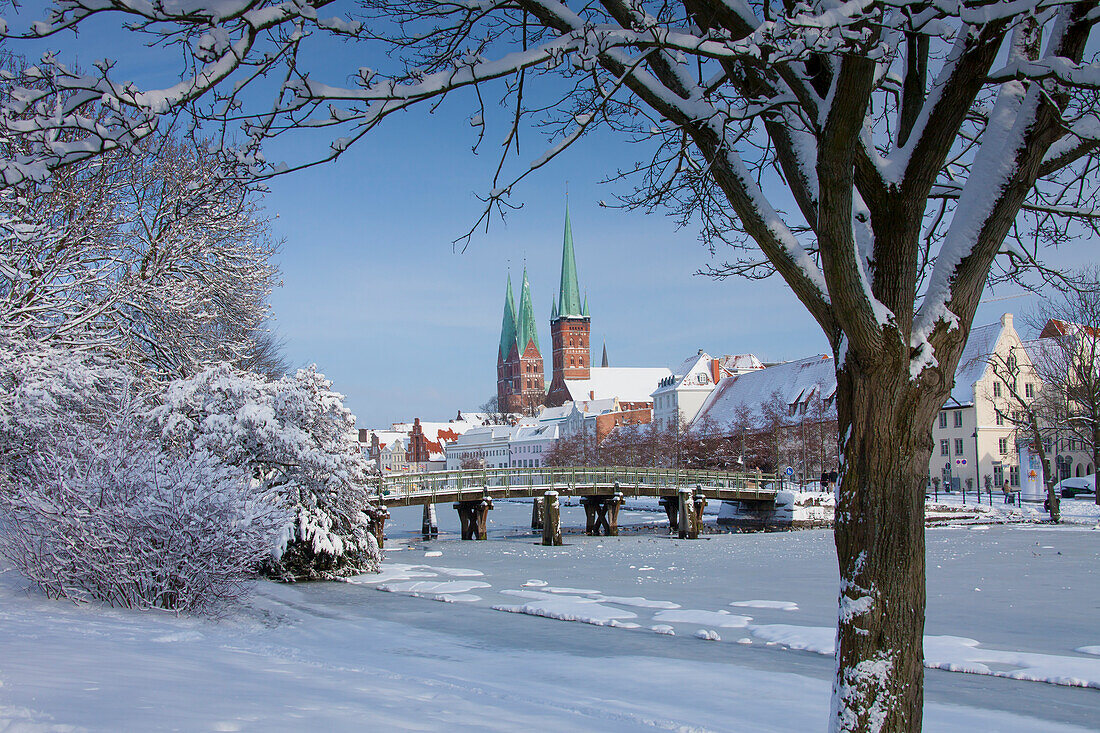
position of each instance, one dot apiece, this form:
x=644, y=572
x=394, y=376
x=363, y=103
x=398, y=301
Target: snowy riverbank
x=701, y=634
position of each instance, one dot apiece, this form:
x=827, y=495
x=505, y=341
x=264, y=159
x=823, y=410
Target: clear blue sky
x=374, y=294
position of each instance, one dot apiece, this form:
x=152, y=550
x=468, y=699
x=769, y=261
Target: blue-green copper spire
x=569, y=297
x=508, y=325
x=525, y=322
x=584, y=310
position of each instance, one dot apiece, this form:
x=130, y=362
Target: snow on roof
x=974, y=362
x=794, y=381
x=547, y=431
x=629, y=384
x=740, y=362
x=553, y=414
x=385, y=437
x=1042, y=350
x=484, y=434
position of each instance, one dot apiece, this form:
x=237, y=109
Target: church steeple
x=604, y=363
x=525, y=322
x=508, y=325
x=570, y=326
x=520, y=381
x=569, y=296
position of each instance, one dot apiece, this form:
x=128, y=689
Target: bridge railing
x=564, y=478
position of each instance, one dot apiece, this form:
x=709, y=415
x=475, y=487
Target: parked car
x=1071, y=487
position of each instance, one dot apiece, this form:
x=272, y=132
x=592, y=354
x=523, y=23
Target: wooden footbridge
x=602, y=491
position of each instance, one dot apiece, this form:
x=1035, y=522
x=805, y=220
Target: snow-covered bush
x=92, y=507
x=295, y=438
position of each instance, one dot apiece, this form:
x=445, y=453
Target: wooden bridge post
x=463, y=509
x=429, y=527
x=482, y=517
x=613, y=506
x=699, y=503
x=551, y=525
x=591, y=507
x=378, y=517
x=536, y=513
x=671, y=505
x=685, y=513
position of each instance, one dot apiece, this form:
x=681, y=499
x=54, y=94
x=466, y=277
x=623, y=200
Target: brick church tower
x=520, y=380
x=570, y=326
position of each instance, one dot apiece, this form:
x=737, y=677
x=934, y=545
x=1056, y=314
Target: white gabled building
x=972, y=439
x=487, y=446
x=679, y=396
x=393, y=457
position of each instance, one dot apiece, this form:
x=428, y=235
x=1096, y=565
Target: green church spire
x=569, y=299
x=508, y=325
x=525, y=322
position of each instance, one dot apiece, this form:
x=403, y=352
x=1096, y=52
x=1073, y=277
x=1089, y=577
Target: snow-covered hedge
x=295, y=438
x=93, y=508
x=174, y=500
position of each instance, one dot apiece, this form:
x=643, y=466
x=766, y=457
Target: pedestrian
x=1007, y=492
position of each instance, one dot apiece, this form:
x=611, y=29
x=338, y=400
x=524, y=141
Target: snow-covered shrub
x=92, y=507
x=295, y=438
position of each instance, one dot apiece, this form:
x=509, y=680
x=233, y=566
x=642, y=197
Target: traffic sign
x=789, y=471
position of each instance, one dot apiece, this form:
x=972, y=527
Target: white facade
x=971, y=442
x=679, y=396
x=488, y=446
x=580, y=417
x=530, y=444
x=393, y=457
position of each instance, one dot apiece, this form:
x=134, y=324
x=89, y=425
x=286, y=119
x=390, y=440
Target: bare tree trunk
x=880, y=549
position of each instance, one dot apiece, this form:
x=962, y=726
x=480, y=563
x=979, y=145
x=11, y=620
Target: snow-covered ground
x=1078, y=510
x=629, y=633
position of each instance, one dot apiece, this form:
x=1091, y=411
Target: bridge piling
x=551, y=514
x=613, y=505
x=536, y=513
x=683, y=525
x=473, y=516
x=671, y=505
x=429, y=527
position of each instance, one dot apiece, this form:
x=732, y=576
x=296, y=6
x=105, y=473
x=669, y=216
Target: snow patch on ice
x=956, y=654
x=777, y=605
x=446, y=591
x=707, y=635
x=433, y=553
x=636, y=601
x=391, y=572
x=663, y=629
x=535, y=583
x=721, y=619
x=1089, y=649
x=568, y=608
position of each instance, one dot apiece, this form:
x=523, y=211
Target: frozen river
x=1015, y=600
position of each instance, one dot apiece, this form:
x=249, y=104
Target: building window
x=1002, y=445
x=1014, y=475
x=1000, y=418
x=958, y=418
x=958, y=446
x=996, y=389
x=945, y=447
x=943, y=419
x=1029, y=390
x=998, y=474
